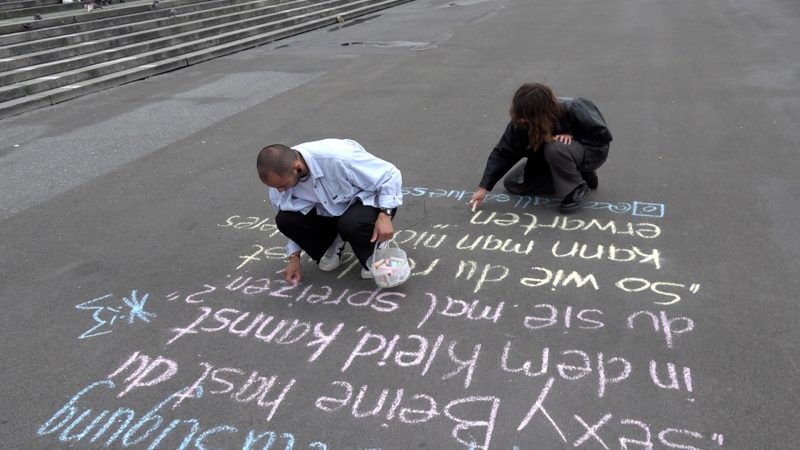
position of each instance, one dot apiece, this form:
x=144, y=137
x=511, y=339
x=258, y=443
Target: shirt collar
x=314, y=168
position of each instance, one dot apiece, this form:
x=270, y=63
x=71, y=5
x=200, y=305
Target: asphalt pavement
x=143, y=308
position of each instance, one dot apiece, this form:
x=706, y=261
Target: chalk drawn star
x=96, y=315
x=105, y=316
x=137, y=308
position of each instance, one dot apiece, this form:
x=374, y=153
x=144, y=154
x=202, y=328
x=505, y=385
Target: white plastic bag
x=389, y=265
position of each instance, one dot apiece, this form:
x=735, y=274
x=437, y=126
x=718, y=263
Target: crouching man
x=328, y=193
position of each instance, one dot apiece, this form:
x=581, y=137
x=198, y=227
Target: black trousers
x=554, y=169
x=315, y=233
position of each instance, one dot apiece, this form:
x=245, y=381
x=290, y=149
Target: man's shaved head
x=275, y=158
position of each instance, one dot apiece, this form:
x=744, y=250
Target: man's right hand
x=293, y=273
x=477, y=198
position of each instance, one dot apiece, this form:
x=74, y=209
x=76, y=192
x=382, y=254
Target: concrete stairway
x=69, y=52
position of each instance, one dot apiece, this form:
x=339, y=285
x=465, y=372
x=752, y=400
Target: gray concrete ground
x=660, y=316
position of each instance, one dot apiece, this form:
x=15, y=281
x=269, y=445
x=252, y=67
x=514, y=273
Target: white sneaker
x=366, y=274
x=333, y=256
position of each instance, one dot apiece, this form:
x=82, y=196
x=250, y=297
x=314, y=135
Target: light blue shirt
x=340, y=172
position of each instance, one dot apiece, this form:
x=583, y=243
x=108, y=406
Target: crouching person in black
x=565, y=141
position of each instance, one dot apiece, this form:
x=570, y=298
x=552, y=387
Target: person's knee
x=284, y=221
x=351, y=228
x=556, y=151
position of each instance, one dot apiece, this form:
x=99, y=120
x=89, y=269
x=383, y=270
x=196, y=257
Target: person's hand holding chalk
x=477, y=199
x=293, y=273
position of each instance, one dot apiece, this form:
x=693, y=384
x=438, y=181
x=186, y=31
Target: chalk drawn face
x=282, y=182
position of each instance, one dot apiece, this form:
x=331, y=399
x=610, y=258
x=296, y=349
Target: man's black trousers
x=315, y=233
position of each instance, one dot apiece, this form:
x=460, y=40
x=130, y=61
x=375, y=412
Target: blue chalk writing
x=634, y=208
x=648, y=209
x=73, y=423
x=105, y=316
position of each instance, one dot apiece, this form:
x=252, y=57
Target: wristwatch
x=387, y=211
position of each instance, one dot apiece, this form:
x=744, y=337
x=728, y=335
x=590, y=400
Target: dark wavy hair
x=535, y=106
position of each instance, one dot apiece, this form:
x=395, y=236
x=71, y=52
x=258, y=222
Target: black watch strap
x=387, y=211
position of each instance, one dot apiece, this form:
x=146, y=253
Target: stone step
x=29, y=11
x=113, y=73
x=26, y=29
x=20, y=4
x=33, y=79
x=46, y=62
x=68, y=35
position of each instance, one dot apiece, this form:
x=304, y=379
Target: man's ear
x=297, y=167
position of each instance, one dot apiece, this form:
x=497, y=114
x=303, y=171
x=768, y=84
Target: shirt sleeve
x=292, y=247
x=505, y=154
x=379, y=179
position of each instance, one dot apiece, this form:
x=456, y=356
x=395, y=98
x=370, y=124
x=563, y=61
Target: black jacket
x=580, y=118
